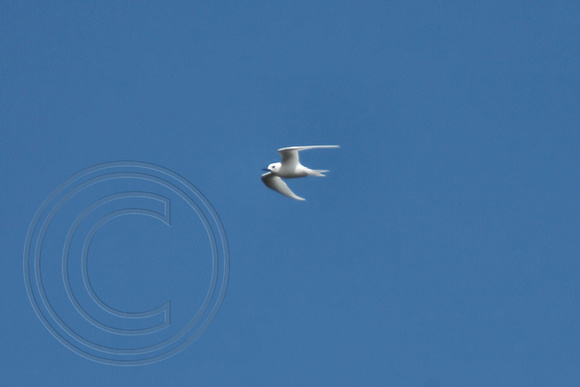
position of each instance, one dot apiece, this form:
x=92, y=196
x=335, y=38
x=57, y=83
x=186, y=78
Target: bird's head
x=274, y=167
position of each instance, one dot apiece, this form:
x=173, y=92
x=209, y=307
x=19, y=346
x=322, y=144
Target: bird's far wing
x=277, y=184
x=290, y=153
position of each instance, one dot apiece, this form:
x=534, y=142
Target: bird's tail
x=320, y=172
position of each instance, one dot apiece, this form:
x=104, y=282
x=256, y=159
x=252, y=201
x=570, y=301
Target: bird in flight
x=290, y=168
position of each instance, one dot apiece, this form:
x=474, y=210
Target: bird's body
x=298, y=170
x=290, y=168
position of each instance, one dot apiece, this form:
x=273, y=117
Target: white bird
x=289, y=168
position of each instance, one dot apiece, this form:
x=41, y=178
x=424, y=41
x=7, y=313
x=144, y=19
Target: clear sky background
x=441, y=250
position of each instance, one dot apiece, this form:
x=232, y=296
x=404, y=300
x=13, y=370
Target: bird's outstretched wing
x=277, y=184
x=290, y=154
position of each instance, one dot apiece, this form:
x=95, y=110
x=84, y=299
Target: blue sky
x=441, y=250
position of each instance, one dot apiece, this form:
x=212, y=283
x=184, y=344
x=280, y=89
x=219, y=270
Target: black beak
x=265, y=169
